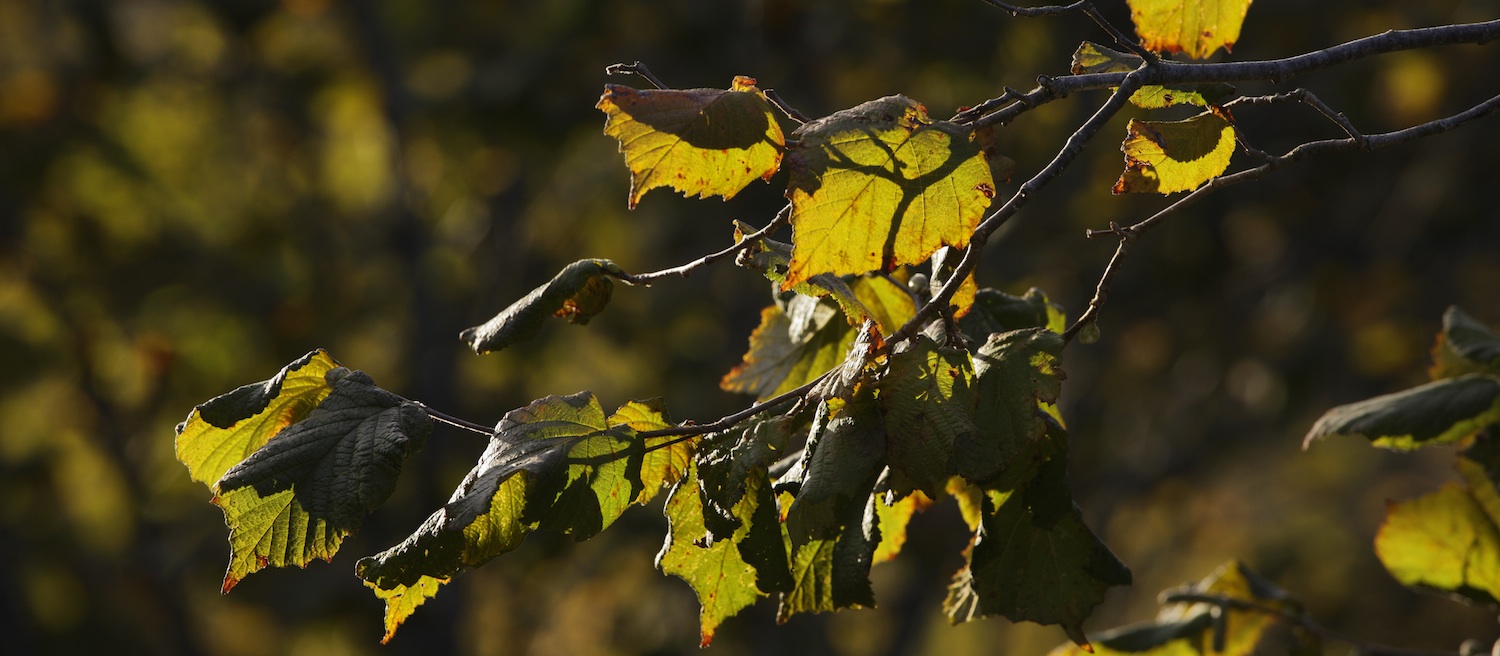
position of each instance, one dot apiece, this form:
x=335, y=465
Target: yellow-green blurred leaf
x=1194, y=27
x=1166, y=157
x=1443, y=541
x=881, y=185
x=709, y=142
x=779, y=361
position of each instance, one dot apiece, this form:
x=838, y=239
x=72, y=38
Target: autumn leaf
x=780, y=361
x=709, y=142
x=1196, y=28
x=995, y=311
x=928, y=399
x=881, y=185
x=577, y=293
x=1166, y=157
x=1444, y=541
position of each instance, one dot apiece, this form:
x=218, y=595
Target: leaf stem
x=790, y=111
x=645, y=279
x=730, y=420
x=456, y=421
x=638, y=68
x=1086, y=8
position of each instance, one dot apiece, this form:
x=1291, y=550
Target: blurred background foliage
x=194, y=193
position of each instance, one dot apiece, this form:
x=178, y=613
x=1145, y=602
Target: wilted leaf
x=1465, y=346
x=735, y=570
x=928, y=400
x=300, y=494
x=777, y=362
x=1094, y=58
x=859, y=365
x=880, y=185
x=1016, y=373
x=556, y=463
x=577, y=293
x=1443, y=541
x=1166, y=157
x=219, y=434
x=1194, y=27
x=838, y=470
x=1441, y=412
x=709, y=142
x=1034, y=559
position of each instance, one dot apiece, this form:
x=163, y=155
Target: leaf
x=577, y=293
x=556, y=463
x=833, y=573
x=997, y=312
x=944, y=262
x=726, y=580
x=726, y=460
x=709, y=142
x=889, y=302
x=1443, y=541
x=1034, y=559
x=219, y=434
x=1465, y=346
x=1166, y=157
x=928, y=399
x=1094, y=58
x=1194, y=27
x=881, y=185
x=859, y=366
x=1016, y=374
x=1441, y=412
x=894, y=515
x=1190, y=628
x=300, y=494
x=777, y=363
x=838, y=469
x=1479, y=464
x=863, y=298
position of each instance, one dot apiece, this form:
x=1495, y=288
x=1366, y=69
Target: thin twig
x=457, y=422
x=1305, y=97
x=1304, y=151
x=1101, y=291
x=637, y=68
x=1086, y=8
x=730, y=420
x=1301, y=620
x=790, y=111
x=972, y=113
x=645, y=279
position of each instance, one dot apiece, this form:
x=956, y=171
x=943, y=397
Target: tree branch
x=730, y=420
x=1307, y=623
x=1082, y=7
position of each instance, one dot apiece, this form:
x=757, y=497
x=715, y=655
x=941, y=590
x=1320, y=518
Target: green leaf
x=1196, y=28
x=219, y=434
x=881, y=185
x=577, y=293
x=1166, y=157
x=997, y=312
x=1094, y=58
x=928, y=399
x=709, y=142
x=556, y=463
x=1034, y=559
x=1441, y=412
x=1189, y=627
x=726, y=460
x=1443, y=541
x=779, y=361
x=732, y=572
x=1465, y=346
x=1016, y=374
x=300, y=494
x=844, y=454
x=833, y=573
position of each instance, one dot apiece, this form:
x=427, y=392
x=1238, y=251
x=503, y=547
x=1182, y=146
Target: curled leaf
x=577, y=293
x=1166, y=157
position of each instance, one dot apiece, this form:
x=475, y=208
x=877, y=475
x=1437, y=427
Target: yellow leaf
x=709, y=142
x=881, y=185
x=1444, y=541
x=1168, y=157
x=1194, y=27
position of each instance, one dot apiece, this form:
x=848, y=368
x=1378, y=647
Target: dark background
x=193, y=194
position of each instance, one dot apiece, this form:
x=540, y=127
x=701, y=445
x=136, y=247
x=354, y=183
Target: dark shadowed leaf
x=928, y=399
x=833, y=573
x=577, y=293
x=709, y=142
x=1465, y=346
x=726, y=460
x=1016, y=375
x=778, y=362
x=838, y=470
x=1441, y=412
x=995, y=311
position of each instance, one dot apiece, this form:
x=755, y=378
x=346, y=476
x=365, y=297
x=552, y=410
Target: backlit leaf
x=736, y=570
x=1166, y=157
x=881, y=185
x=1441, y=412
x=577, y=293
x=1016, y=375
x=1194, y=27
x=219, y=434
x=894, y=515
x=928, y=399
x=1465, y=346
x=1479, y=464
x=1094, y=58
x=777, y=362
x=1443, y=541
x=556, y=463
x=1034, y=559
x=865, y=297
x=709, y=142
x=300, y=494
